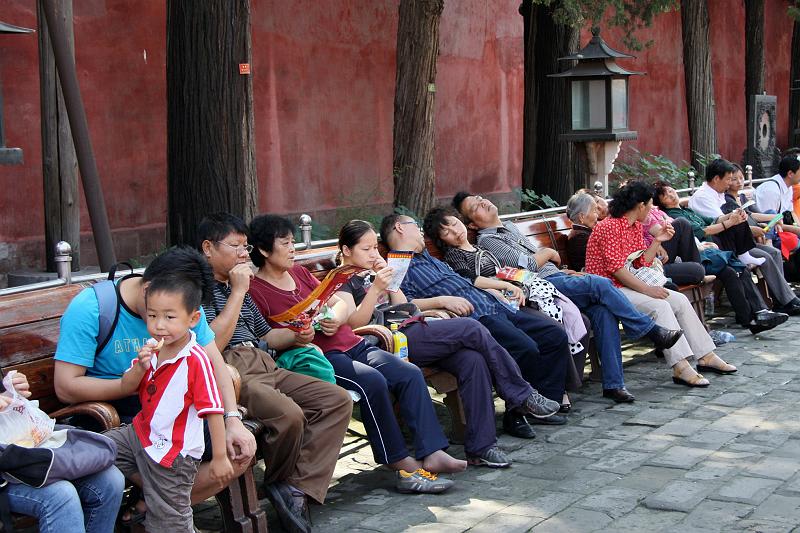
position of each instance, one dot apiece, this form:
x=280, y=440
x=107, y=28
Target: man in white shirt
x=708, y=201
x=775, y=194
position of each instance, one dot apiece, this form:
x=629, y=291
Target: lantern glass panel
x=619, y=103
x=588, y=104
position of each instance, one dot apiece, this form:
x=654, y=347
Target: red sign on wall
x=244, y=68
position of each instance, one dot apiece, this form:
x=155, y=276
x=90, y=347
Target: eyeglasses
x=239, y=248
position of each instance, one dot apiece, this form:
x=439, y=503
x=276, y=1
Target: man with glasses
x=305, y=418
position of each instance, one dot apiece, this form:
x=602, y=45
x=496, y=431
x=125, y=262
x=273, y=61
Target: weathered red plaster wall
x=324, y=76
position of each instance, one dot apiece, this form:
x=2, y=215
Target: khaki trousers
x=675, y=312
x=305, y=420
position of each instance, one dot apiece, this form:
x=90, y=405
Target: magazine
x=300, y=316
x=399, y=262
x=516, y=275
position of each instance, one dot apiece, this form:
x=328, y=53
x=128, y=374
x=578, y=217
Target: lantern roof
x=10, y=28
x=595, y=59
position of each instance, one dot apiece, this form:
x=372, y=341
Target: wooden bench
x=320, y=261
x=29, y=330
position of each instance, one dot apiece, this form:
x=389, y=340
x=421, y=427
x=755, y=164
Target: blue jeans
x=606, y=308
x=87, y=504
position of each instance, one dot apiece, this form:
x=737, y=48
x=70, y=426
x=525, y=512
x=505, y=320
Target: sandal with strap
x=690, y=378
x=717, y=366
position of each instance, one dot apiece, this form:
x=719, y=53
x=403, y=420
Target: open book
x=399, y=261
x=299, y=316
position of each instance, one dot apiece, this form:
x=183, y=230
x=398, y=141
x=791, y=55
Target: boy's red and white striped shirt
x=175, y=396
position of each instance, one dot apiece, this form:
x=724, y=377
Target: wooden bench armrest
x=101, y=412
x=439, y=313
x=383, y=334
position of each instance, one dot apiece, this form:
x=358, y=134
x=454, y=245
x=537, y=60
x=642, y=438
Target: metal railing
x=63, y=255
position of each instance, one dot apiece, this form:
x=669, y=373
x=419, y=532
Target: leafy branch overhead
x=629, y=15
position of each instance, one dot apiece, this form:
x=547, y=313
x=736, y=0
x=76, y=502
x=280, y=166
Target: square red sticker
x=244, y=68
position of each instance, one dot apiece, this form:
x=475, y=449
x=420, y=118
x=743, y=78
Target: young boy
x=176, y=386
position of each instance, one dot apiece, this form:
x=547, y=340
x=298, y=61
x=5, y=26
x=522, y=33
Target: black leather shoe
x=619, y=395
x=517, y=425
x=792, y=308
x=292, y=512
x=664, y=338
x=769, y=319
x=555, y=420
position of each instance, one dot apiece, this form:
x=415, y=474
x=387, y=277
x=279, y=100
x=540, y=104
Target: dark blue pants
x=538, y=345
x=374, y=373
x=466, y=349
x=606, y=307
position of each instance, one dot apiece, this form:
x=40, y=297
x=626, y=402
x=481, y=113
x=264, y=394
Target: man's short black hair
x=435, y=220
x=387, y=226
x=459, y=198
x=217, y=226
x=184, y=271
x=264, y=229
x=718, y=167
x=789, y=163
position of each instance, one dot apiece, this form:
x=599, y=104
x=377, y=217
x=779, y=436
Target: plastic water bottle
x=400, y=343
x=710, y=304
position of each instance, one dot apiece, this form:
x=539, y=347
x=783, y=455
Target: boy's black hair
x=789, y=163
x=184, y=271
x=628, y=197
x=264, y=229
x=217, y=226
x=459, y=198
x=719, y=167
x=434, y=221
x=387, y=226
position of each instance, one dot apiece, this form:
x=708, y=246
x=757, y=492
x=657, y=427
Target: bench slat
x=33, y=306
x=28, y=342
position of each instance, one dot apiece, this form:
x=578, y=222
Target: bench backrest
x=29, y=328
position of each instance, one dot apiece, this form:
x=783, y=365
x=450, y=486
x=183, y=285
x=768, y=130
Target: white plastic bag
x=22, y=422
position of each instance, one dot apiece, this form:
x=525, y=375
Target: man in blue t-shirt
x=81, y=375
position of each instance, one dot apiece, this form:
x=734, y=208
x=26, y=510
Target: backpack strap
x=108, y=298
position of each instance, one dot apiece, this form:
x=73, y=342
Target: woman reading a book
x=460, y=346
x=372, y=374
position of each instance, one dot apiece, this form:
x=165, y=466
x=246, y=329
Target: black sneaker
x=517, y=425
x=292, y=512
x=555, y=420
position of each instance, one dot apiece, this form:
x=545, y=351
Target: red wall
x=323, y=76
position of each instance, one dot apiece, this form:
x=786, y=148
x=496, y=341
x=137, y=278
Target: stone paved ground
x=725, y=458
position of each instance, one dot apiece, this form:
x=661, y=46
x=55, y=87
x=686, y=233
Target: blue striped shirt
x=428, y=277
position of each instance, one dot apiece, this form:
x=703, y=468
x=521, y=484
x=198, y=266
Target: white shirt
x=707, y=202
x=773, y=198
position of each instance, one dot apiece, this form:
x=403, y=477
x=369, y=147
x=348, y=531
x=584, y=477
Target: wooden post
x=59, y=165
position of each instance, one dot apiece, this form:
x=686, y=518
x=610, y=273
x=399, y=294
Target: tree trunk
x=699, y=81
x=210, y=137
x=753, y=55
x=417, y=51
x=557, y=171
x=62, y=215
x=794, y=95
x=529, y=14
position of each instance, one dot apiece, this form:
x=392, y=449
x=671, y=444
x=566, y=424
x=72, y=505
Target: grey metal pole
x=748, y=175
x=691, y=180
x=305, y=230
x=80, y=136
x=63, y=260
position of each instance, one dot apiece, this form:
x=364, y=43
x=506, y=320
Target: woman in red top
x=609, y=246
x=366, y=370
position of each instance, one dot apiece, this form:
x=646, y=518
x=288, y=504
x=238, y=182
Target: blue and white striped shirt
x=428, y=277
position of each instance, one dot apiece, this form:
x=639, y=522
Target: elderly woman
x=374, y=374
x=583, y=211
x=616, y=238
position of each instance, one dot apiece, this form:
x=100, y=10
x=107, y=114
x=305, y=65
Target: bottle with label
x=400, y=343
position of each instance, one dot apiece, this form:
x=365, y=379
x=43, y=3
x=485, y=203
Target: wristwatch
x=232, y=414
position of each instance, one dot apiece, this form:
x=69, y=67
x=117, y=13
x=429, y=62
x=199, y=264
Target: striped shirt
x=250, y=326
x=175, y=394
x=472, y=263
x=428, y=277
x=513, y=249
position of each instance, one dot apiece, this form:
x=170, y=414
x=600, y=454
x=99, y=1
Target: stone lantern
x=9, y=156
x=598, y=94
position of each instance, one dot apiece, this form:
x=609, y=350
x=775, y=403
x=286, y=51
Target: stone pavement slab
x=724, y=458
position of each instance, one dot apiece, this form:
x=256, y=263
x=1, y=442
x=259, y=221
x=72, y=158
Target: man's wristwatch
x=232, y=414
